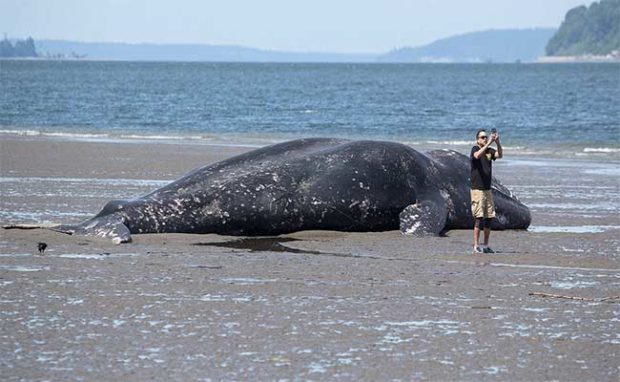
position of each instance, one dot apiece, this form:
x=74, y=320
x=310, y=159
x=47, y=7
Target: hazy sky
x=294, y=25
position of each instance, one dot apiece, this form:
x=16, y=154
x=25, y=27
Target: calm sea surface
x=573, y=107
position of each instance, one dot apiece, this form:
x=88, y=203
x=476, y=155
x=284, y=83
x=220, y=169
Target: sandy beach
x=313, y=305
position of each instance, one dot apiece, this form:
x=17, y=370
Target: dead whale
x=310, y=184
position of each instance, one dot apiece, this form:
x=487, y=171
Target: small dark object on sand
x=42, y=247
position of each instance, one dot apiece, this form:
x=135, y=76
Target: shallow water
x=573, y=229
x=26, y=199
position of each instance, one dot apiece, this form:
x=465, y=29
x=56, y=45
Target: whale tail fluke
x=107, y=226
x=510, y=212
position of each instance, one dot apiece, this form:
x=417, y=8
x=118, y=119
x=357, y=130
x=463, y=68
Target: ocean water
x=573, y=108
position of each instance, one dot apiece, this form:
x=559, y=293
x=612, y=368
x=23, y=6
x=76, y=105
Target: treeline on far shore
x=593, y=30
x=22, y=48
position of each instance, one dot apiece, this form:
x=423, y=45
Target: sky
x=346, y=26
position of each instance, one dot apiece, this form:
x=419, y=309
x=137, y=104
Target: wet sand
x=325, y=306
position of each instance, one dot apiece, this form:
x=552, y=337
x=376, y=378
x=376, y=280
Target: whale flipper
x=107, y=226
x=425, y=218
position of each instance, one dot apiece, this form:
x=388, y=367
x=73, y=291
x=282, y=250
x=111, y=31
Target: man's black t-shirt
x=481, y=169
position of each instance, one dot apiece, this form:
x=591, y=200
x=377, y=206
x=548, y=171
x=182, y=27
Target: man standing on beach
x=482, y=206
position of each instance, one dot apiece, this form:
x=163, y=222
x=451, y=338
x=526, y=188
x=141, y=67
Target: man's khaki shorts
x=482, y=205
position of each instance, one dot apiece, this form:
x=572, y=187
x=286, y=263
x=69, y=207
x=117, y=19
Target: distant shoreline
x=585, y=58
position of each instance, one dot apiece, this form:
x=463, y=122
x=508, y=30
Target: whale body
x=311, y=184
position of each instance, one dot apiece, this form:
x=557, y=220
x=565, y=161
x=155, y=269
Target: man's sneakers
x=482, y=249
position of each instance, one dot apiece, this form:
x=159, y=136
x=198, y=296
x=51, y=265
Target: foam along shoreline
x=573, y=229
x=251, y=141
x=581, y=165
x=203, y=139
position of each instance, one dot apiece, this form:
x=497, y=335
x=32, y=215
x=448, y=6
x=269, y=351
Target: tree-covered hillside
x=504, y=45
x=588, y=30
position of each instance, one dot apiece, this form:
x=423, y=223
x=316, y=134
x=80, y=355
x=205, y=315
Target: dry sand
x=325, y=306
